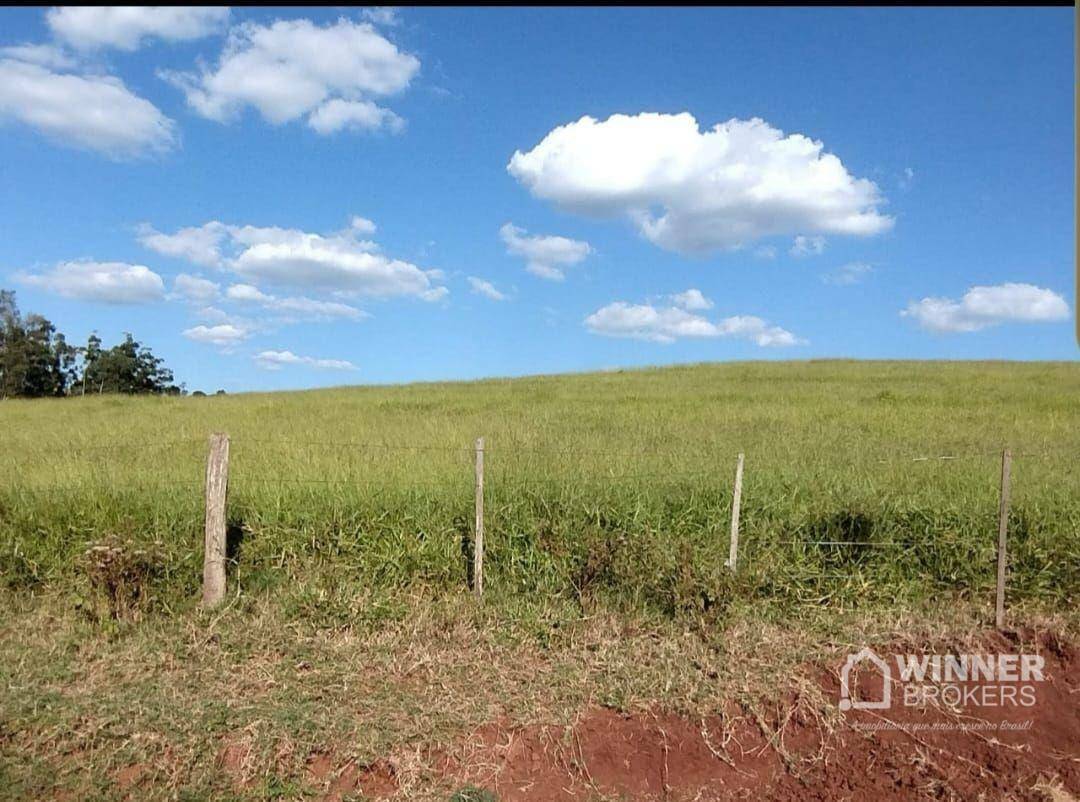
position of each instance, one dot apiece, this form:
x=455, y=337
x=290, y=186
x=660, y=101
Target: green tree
x=129, y=368
x=34, y=359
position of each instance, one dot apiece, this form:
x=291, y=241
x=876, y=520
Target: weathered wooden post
x=736, y=499
x=478, y=541
x=1003, y=527
x=217, y=484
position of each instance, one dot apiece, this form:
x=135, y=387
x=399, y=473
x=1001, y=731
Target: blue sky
x=935, y=213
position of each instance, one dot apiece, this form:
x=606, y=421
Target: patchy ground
x=790, y=751
x=431, y=698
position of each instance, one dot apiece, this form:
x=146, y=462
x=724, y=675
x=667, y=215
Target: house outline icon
x=846, y=702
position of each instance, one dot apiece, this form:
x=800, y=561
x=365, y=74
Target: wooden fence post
x=1003, y=527
x=217, y=484
x=478, y=539
x=736, y=499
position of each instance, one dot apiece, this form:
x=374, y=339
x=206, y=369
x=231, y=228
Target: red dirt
x=664, y=756
x=377, y=780
x=790, y=752
x=232, y=756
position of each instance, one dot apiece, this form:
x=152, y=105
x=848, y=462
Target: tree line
x=37, y=361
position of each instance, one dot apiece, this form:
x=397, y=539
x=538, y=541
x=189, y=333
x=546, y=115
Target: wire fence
x=548, y=473
x=512, y=469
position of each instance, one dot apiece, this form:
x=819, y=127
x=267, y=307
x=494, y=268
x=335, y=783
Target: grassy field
x=615, y=485
x=608, y=500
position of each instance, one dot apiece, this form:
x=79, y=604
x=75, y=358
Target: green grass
x=614, y=485
x=348, y=626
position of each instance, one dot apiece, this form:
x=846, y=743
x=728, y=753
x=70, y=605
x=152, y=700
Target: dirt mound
x=642, y=756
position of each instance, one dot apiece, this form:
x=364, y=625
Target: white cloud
x=807, y=246
x=246, y=292
x=435, y=294
x=194, y=289
x=96, y=112
x=126, y=27
x=692, y=300
x=765, y=252
x=43, y=55
x=309, y=307
x=485, y=288
x=361, y=225
x=305, y=308
x=382, y=15
x=646, y=322
x=275, y=360
x=982, y=307
x=214, y=316
x=223, y=335
x=759, y=331
x=294, y=68
x=694, y=192
x=211, y=314
x=907, y=178
x=105, y=282
x=353, y=115
x=339, y=262
x=845, y=275
x=545, y=256
x=667, y=324
x=198, y=244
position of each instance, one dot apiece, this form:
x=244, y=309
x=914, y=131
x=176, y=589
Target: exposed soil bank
x=801, y=747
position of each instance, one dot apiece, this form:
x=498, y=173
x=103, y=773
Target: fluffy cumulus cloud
x=223, y=335
x=982, y=307
x=486, y=289
x=666, y=324
x=91, y=111
x=353, y=115
x=341, y=262
x=127, y=27
x=195, y=289
x=694, y=191
x=361, y=225
x=693, y=300
x=295, y=68
x=293, y=307
x=103, y=282
x=198, y=244
x=275, y=360
x=545, y=256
